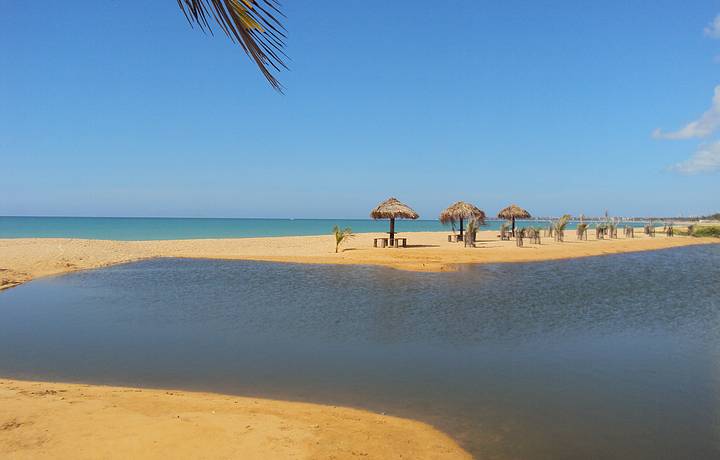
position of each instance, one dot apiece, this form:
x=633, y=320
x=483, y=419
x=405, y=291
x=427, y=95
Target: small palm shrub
x=471, y=231
x=559, y=227
x=341, y=236
x=612, y=229
x=535, y=233
x=600, y=231
x=582, y=230
x=505, y=228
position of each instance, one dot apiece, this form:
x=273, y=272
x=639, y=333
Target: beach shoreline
x=24, y=259
x=71, y=420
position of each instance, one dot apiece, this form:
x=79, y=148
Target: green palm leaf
x=341, y=235
x=253, y=24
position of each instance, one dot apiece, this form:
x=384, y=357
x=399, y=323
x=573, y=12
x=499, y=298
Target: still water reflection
x=606, y=357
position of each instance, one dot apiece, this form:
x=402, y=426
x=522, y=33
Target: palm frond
x=559, y=227
x=561, y=223
x=341, y=236
x=253, y=24
x=474, y=225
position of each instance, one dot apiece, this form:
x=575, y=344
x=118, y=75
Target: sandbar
x=23, y=259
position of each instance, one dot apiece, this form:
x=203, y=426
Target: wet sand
x=26, y=258
x=58, y=420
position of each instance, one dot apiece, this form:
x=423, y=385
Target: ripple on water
x=606, y=357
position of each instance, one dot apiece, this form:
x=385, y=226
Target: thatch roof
x=393, y=209
x=461, y=210
x=514, y=211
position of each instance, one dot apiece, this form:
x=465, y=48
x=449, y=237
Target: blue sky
x=119, y=108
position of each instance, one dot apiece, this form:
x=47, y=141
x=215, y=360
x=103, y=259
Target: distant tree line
x=715, y=216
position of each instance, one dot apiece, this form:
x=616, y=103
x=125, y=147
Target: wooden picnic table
x=384, y=242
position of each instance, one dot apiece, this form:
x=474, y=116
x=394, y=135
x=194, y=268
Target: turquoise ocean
x=162, y=228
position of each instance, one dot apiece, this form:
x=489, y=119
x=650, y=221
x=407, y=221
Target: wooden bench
x=380, y=242
x=454, y=238
x=384, y=242
x=400, y=242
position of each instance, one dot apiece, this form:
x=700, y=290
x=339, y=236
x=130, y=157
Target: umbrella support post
x=392, y=232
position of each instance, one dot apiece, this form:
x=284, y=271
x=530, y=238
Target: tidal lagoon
x=601, y=357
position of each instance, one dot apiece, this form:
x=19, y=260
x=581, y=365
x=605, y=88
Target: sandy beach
x=54, y=420
x=26, y=258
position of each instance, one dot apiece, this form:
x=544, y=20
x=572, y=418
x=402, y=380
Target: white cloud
x=706, y=159
x=713, y=29
x=702, y=127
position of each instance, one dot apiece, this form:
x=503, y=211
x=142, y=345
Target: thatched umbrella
x=393, y=209
x=460, y=211
x=513, y=212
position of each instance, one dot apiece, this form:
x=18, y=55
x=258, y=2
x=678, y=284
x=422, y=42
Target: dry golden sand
x=25, y=259
x=51, y=420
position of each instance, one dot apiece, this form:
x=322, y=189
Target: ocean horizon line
x=535, y=218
